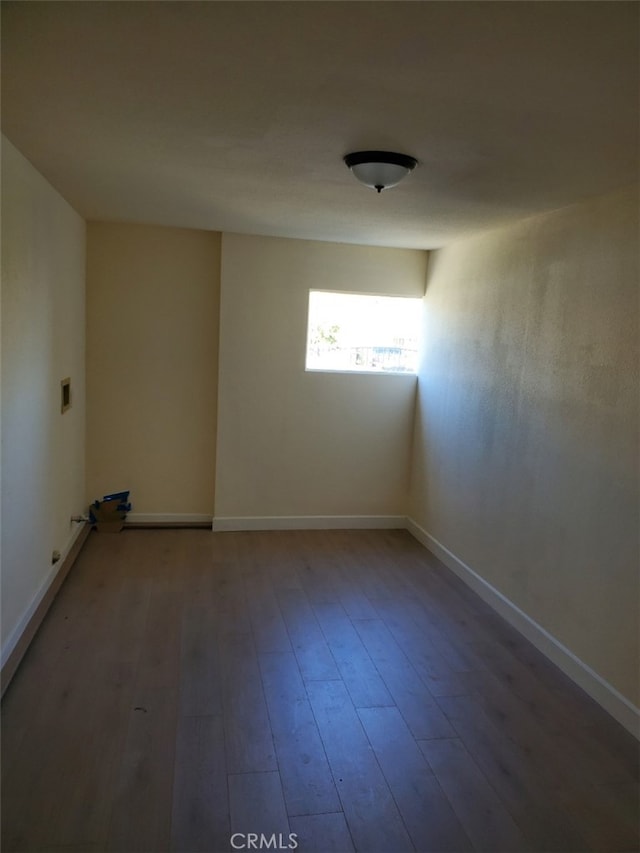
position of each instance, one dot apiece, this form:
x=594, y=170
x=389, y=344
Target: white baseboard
x=167, y=518
x=311, y=522
x=624, y=711
x=16, y=635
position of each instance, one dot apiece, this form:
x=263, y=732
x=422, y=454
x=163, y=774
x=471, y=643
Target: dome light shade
x=380, y=169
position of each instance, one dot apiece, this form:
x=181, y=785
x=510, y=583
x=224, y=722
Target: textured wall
x=152, y=347
x=525, y=458
x=293, y=443
x=43, y=342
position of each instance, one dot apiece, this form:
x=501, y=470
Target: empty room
x=319, y=426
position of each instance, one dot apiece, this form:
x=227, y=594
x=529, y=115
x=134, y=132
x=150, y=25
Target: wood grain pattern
x=200, y=808
x=412, y=697
x=340, y=685
x=356, y=668
x=257, y=805
x=322, y=833
x=309, y=644
x=520, y=788
x=306, y=779
x=480, y=810
x=248, y=737
x=367, y=802
x=425, y=809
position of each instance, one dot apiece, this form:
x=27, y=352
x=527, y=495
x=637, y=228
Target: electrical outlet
x=65, y=394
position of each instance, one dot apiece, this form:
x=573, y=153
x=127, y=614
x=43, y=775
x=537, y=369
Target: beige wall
x=526, y=443
x=43, y=341
x=152, y=342
x=292, y=443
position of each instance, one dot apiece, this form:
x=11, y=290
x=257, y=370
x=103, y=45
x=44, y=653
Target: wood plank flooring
x=342, y=689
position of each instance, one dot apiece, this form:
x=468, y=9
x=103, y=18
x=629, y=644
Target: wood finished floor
x=342, y=686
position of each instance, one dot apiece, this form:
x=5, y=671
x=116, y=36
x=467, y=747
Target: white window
x=356, y=332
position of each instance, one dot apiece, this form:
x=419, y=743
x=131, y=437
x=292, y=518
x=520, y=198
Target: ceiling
x=235, y=116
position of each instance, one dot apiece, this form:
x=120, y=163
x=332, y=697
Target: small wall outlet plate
x=65, y=394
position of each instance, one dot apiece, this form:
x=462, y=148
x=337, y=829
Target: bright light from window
x=355, y=332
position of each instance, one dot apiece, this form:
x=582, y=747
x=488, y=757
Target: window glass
x=362, y=333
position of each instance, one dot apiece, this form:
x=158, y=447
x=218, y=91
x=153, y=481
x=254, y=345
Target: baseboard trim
x=163, y=519
x=311, y=522
x=624, y=711
x=24, y=632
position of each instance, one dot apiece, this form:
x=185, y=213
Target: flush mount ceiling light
x=380, y=169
